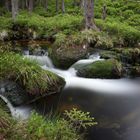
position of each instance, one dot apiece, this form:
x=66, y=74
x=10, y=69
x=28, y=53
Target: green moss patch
x=107, y=69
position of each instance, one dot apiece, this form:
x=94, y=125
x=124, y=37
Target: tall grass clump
x=28, y=74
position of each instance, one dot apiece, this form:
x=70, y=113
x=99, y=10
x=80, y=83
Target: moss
x=29, y=74
x=128, y=55
x=102, y=69
x=63, y=57
x=109, y=55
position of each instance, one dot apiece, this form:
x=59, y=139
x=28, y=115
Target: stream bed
x=115, y=103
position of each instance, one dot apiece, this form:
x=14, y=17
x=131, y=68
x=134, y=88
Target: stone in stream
x=18, y=96
x=107, y=69
x=14, y=93
x=64, y=57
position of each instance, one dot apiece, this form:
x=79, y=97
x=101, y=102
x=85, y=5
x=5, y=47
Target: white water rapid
x=117, y=87
x=21, y=112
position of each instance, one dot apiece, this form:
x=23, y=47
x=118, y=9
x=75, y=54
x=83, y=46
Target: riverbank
x=51, y=60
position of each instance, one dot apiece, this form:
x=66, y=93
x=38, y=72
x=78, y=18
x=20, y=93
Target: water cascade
x=114, y=103
x=21, y=112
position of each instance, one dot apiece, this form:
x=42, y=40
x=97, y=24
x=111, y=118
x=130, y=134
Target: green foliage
x=51, y=128
x=79, y=119
x=6, y=122
x=5, y=23
x=28, y=73
x=122, y=21
x=50, y=25
x=129, y=34
x=58, y=128
x=98, y=39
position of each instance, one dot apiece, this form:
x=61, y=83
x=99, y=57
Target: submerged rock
x=64, y=57
x=108, y=69
x=14, y=93
x=18, y=96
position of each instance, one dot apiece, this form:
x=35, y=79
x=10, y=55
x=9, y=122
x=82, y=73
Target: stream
x=115, y=104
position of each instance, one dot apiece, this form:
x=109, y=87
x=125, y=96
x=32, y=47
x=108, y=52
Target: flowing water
x=114, y=103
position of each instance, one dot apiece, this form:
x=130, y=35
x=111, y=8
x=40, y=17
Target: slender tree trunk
x=82, y=4
x=30, y=6
x=14, y=4
x=104, y=15
x=89, y=14
x=7, y=5
x=46, y=5
x=22, y=4
x=26, y=3
x=63, y=6
x=57, y=5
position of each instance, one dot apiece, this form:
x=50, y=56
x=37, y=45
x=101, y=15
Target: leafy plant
x=79, y=119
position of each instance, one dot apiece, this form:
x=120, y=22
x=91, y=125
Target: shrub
x=79, y=119
x=51, y=128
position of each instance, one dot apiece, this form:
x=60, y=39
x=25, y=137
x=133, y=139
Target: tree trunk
x=82, y=4
x=57, y=6
x=14, y=4
x=63, y=6
x=30, y=6
x=89, y=14
x=46, y=5
x=104, y=15
x=7, y=5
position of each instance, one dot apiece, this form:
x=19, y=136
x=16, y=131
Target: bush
x=51, y=128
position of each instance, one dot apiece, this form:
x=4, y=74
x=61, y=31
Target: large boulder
x=107, y=69
x=35, y=81
x=64, y=57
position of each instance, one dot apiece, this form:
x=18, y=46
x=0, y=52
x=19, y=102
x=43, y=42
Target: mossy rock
x=109, y=55
x=14, y=93
x=128, y=55
x=64, y=57
x=107, y=69
x=29, y=76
